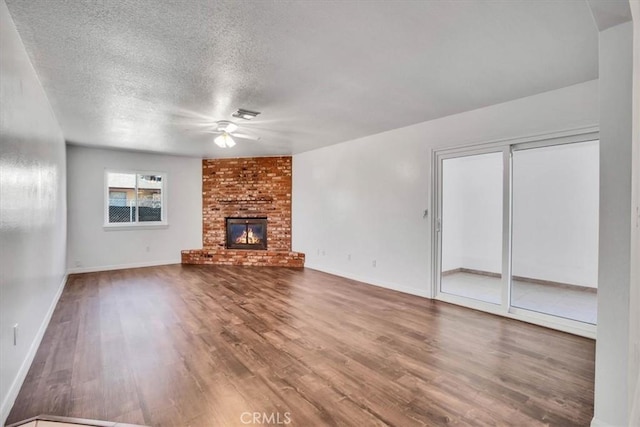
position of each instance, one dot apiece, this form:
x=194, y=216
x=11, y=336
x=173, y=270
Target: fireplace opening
x=246, y=233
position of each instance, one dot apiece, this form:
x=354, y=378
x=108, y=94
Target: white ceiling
x=153, y=76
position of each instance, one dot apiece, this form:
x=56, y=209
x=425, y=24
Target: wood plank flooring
x=217, y=346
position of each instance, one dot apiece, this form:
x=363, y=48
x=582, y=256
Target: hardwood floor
x=210, y=346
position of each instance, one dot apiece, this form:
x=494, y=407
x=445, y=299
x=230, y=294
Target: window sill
x=130, y=227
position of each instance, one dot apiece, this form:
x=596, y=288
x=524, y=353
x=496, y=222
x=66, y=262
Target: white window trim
x=147, y=225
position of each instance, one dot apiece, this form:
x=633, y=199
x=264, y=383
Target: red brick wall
x=259, y=186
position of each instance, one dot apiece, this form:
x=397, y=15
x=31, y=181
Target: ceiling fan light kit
x=226, y=126
x=227, y=129
x=224, y=141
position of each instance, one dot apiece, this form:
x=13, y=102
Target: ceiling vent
x=245, y=114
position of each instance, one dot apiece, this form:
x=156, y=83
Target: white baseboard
x=597, y=423
x=426, y=293
x=634, y=416
x=121, y=266
x=14, y=389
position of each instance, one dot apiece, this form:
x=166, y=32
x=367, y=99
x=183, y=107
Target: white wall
x=92, y=247
x=366, y=197
x=32, y=211
x=555, y=209
x=614, y=346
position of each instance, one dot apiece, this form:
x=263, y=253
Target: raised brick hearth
x=243, y=257
x=243, y=188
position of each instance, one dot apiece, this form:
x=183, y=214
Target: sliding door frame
x=506, y=147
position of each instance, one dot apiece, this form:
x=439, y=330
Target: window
x=134, y=198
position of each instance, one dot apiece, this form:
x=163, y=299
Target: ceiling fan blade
x=245, y=136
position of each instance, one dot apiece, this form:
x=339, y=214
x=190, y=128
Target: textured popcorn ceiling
x=154, y=75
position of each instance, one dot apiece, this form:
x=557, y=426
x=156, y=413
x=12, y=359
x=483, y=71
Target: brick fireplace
x=244, y=190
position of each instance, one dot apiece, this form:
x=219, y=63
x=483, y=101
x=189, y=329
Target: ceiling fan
x=227, y=131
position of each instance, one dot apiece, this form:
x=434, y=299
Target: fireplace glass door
x=246, y=233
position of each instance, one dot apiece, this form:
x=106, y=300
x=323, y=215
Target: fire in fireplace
x=246, y=233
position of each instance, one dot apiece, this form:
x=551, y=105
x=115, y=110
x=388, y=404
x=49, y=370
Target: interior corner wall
x=634, y=308
x=93, y=248
x=32, y=212
x=364, y=200
x=613, y=345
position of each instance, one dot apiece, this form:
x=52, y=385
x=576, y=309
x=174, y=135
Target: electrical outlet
x=148, y=249
x=15, y=334
x=349, y=257
x=374, y=263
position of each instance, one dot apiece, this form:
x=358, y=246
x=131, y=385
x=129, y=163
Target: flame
x=247, y=237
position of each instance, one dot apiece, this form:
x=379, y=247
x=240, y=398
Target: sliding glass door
x=555, y=230
x=471, y=226
x=516, y=228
